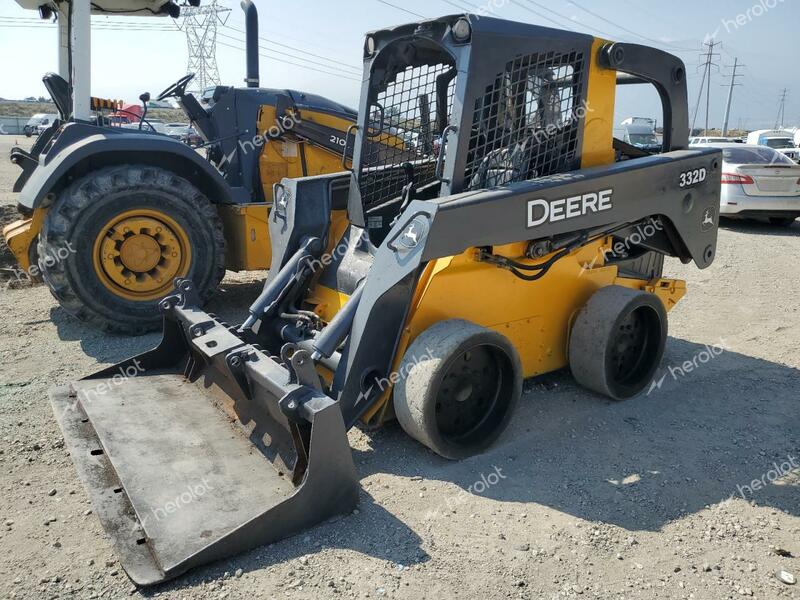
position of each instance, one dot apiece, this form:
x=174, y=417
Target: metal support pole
x=63, y=41
x=81, y=59
x=730, y=98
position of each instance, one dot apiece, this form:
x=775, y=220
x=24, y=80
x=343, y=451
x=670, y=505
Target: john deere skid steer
x=517, y=239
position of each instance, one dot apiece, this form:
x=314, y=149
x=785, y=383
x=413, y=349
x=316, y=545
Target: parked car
x=759, y=182
x=781, y=140
x=154, y=125
x=639, y=132
x=158, y=125
x=46, y=123
x=708, y=140
x=38, y=123
x=185, y=133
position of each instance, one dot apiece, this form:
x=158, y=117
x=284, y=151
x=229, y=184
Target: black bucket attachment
x=205, y=446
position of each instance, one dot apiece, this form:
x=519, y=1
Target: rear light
x=735, y=178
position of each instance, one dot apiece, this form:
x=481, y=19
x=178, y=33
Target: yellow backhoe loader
x=110, y=215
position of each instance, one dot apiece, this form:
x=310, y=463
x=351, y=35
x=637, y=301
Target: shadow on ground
x=698, y=440
x=757, y=227
x=374, y=532
x=230, y=304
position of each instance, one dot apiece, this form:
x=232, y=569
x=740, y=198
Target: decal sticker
x=708, y=219
x=692, y=178
x=549, y=211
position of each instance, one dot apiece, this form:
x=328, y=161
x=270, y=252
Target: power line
x=286, y=54
x=103, y=24
x=451, y=3
x=563, y=17
x=405, y=10
x=340, y=75
x=174, y=28
x=618, y=26
x=108, y=26
x=572, y=24
x=538, y=14
x=268, y=41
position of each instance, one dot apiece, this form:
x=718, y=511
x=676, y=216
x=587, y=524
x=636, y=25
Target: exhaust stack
x=251, y=35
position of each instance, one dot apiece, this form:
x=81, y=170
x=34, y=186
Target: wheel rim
x=473, y=396
x=634, y=347
x=138, y=254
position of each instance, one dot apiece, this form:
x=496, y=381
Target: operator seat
x=61, y=92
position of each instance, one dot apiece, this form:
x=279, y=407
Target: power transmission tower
x=200, y=25
x=734, y=75
x=706, y=81
x=779, y=121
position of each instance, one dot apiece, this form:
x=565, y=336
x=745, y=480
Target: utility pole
x=706, y=81
x=200, y=25
x=734, y=75
x=779, y=121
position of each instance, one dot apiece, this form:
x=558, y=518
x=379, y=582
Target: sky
x=132, y=55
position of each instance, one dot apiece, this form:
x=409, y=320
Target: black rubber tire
x=782, y=221
x=422, y=370
x=593, y=341
x=82, y=209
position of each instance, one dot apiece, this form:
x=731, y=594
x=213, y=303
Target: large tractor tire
x=115, y=240
x=458, y=386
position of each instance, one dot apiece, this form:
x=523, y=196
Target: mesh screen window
x=526, y=124
x=405, y=127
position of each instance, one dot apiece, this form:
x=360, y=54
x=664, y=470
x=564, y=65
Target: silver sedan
x=759, y=182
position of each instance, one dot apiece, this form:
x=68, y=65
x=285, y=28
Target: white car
x=759, y=182
x=781, y=140
x=31, y=127
x=708, y=140
x=38, y=124
x=158, y=125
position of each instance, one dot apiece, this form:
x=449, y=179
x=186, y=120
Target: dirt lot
x=651, y=498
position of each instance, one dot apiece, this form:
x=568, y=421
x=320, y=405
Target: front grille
x=405, y=124
x=527, y=123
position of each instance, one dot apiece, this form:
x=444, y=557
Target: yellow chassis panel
x=19, y=236
x=288, y=157
x=536, y=316
x=246, y=236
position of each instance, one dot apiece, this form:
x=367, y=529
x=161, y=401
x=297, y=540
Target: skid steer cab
x=132, y=209
x=510, y=239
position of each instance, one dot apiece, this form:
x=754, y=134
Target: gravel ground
x=650, y=498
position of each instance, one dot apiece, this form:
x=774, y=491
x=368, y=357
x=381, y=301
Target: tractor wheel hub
x=139, y=253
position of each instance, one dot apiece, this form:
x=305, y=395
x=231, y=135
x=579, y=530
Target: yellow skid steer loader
x=516, y=238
